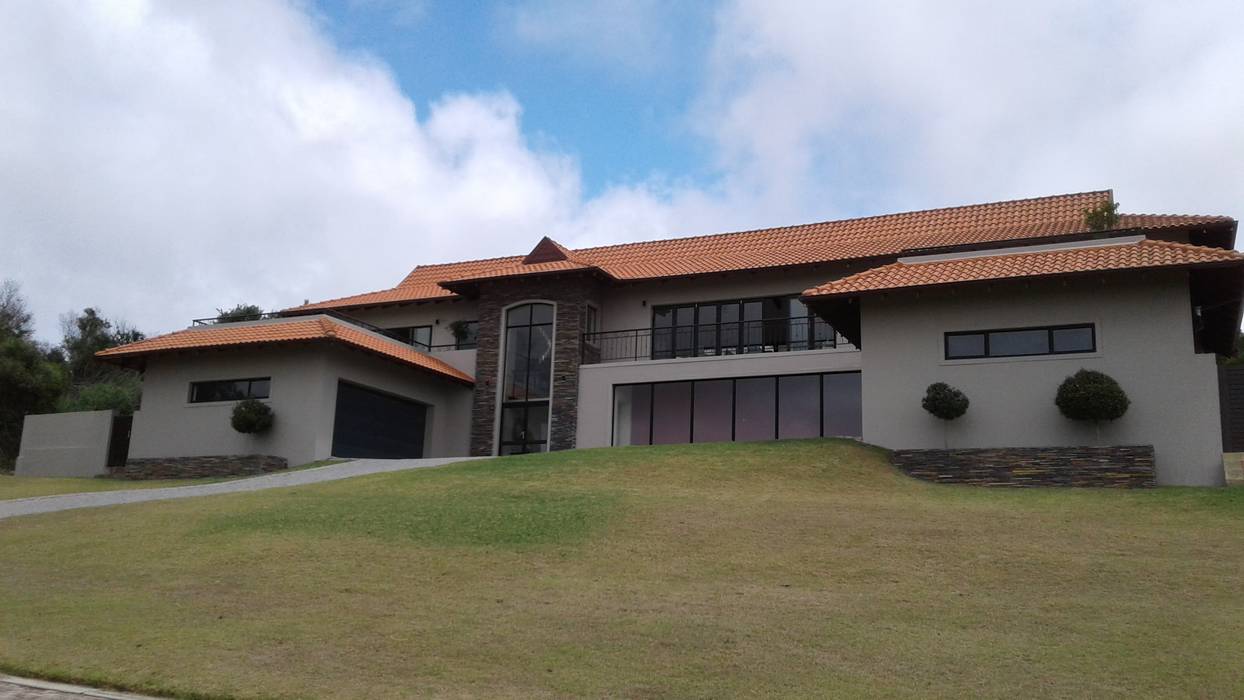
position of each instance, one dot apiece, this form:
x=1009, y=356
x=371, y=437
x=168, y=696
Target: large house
x=825, y=329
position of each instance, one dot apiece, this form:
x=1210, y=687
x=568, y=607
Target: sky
x=162, y=158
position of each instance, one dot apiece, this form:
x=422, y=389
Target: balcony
x=711, y=340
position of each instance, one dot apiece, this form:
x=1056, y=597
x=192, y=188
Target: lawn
x=31, y=486
x=805, y=568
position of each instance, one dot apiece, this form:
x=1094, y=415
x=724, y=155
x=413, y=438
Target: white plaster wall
x=65, y=444
x=1144, y=340
x=596, y=382
x=303, y=397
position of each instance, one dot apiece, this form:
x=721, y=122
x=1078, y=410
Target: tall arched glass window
x=527, y=380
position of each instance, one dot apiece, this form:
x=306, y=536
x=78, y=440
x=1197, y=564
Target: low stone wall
x=1125, y=467
x=198, y=467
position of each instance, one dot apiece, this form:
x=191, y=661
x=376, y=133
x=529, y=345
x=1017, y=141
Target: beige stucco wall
x=65, y=444
x=1144, y=340
x=303, y=397
x=596, y=382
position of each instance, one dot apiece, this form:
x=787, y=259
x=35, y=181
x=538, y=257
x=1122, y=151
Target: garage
x=373, y=424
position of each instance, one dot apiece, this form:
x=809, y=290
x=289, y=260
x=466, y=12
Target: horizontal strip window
x=230, y=390
x=1021, y=342
x=743, y=409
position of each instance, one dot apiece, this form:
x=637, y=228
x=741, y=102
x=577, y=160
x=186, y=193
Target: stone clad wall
x=198, y=467
x=571, y=293
x=1114, y=467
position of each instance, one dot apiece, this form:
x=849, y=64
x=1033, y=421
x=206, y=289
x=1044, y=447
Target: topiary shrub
x=1089, y=395
x=945, y=402
x=252, y=416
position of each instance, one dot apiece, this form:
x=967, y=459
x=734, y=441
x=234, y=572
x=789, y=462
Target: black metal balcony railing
x=710, y=340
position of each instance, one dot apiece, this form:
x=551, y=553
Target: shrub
x=1101, y=217
x=1089, y=395
x=945, y=401
x=252, y=416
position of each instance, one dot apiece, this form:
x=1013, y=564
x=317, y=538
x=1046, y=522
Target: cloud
x=632, y=36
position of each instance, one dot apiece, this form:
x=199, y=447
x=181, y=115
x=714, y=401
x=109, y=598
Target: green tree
x=29, y=383
x=1101, y=217
x=88, y=333
x=240, y=312
x=15, y=318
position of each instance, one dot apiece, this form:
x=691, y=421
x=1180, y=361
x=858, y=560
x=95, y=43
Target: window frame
x=758, y=335
x=250, y=394
x=468, y=344
x=526, y=404
x=1049, y=331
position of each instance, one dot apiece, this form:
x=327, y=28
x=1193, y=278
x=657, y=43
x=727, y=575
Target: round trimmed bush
x=944, y=401
x=251, y=416
x=1090, y=395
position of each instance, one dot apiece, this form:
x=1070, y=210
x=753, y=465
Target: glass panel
x=662, y=343
x=513, y=422
x=706, y=342
x=1009, y=343
x=537, y=422
x=421, y=335
x=662, y=317
x=1073, y=339
x=752, y=328
x=516, y=343
x=470, y=336
x=966, y=345
x=799, y=406
x=540, y=362
x=730, y=336
x=684, y=341
x=541, y=313
x=631, y=406
x=843, y=406
x=518, y=316
x=260, y=388
x=754, y=409
x=684, y=316
x=671, y=413
x=713, y=406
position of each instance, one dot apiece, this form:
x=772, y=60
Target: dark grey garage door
x=377, y=425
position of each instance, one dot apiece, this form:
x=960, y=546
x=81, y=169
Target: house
x=825, y=329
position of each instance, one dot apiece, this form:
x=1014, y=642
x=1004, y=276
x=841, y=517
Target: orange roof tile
x=825, y=242
x=1143, y=254
x=313, y=328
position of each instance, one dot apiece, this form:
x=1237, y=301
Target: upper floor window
x=466, y=335
x=420, y=336
x=773, y=324
x=230, y=389
x=591, y=323
x=1021, y=342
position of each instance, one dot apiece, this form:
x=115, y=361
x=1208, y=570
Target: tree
x=88, y=333
x=15, y=317
x=251, y=416
x=240, y=312
x=29, y=383
x=1092, y=396
x=1101, y=217
x=120, y=391
x=944, y=402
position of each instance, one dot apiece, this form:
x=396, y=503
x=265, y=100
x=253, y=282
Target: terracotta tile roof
x=825, y=242
x=314, y=328
x=1144, y=254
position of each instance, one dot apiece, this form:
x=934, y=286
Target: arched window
x=527, y=379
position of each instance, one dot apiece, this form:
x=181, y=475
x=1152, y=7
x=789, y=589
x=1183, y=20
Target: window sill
x=207, y=404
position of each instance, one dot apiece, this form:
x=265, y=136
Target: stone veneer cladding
x=571, y=292
x=197, y=467
x=1117, y=467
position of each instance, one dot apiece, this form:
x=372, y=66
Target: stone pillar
x=571, y=293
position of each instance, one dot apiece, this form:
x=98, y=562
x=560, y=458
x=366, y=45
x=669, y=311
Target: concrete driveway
x=12, y=688
x=333, y=472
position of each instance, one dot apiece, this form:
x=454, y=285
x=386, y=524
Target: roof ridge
x=911, y=212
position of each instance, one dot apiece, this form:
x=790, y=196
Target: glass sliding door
x=527, y=379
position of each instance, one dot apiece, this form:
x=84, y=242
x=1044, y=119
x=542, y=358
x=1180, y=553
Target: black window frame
x=471, y=340
x=192, y=395
x=1049, y=330
x=407, y=335
x=751, y=335
x=526, y=404
x=734, y=390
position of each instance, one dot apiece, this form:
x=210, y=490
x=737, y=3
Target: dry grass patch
x=799, y=569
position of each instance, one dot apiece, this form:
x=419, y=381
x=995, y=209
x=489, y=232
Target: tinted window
x=799, y=406
x=469, y=336
x=754, y=409
x=714, y=403
x=965, y=345
x=229, y=390
x=843, y=405
x=671, y=413
x=1074, y=339
x=1012, y=343
x=631, y=406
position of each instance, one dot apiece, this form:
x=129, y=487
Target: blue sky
x=167, y=157
x=622, y=124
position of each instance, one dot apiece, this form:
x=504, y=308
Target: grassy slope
x=801, y=568
x=31, y=486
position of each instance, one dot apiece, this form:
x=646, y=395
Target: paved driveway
x=26, y=689
x=333, y=472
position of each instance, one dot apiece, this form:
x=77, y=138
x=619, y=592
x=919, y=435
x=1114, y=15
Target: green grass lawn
x=805, y=568
x=30, y=486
